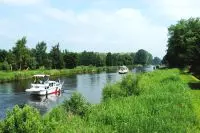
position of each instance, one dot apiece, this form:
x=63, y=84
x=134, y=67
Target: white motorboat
x=43, y=86
x=123, y=70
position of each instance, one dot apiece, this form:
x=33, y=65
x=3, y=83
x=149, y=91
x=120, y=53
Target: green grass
x=160, y=101
x=195, y=91
x=19, y=75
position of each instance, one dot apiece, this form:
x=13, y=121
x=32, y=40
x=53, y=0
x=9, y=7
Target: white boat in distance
x=123, y=70
x=43, y=86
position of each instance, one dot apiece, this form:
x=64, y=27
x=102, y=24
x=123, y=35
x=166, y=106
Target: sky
x=93, y=25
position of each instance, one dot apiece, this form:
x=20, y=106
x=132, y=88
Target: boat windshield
x=123, y=67
x=40, y=80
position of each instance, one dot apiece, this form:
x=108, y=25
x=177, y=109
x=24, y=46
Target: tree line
x=20, y=57
x=184, y=45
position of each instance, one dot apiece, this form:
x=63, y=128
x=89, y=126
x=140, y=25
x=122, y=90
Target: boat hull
x=123, y=72
x=42, y=92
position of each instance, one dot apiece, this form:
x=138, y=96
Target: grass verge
x=160, y=101
x=19, y=75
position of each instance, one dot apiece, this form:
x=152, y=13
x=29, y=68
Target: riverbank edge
x=27, y=74
x=163, y=104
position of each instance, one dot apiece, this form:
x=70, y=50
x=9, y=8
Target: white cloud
x=20, y=2
x=34, y=18
x=55, y=13
x=123, y=30
x=177, y=9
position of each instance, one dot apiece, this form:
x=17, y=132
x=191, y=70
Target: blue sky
x=93, y=25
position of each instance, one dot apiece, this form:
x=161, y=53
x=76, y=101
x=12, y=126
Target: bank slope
x=159, y=101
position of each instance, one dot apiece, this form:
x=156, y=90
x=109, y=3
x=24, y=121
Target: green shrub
x=77, y=104
x=112, y=91
x=22, y=120
x=129, y=85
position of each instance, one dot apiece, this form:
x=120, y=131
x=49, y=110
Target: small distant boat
x=123, y=70
x=43, y=86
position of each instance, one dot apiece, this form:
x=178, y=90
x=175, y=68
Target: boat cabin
x=52, y=83
x=123, y=68
x=40, y=78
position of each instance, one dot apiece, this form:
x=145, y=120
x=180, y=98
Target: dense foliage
x=143, y=57
x=184, y=44
x=20, y=57
x=157, y=102
x=76, y=105
x=6, y=76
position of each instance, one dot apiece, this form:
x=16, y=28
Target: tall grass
x=159, y=101
x=18, y=75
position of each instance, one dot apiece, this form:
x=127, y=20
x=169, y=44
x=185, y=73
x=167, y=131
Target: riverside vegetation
x=18, y=75
x=160, y=101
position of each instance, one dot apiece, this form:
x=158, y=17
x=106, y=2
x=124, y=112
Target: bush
x=127, y=87
x=112, y=91
x=22, y=120
x=76, y=105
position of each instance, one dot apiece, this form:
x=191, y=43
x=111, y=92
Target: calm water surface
x=89, y=85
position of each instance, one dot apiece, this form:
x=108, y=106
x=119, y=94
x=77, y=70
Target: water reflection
x=44, y=103
x=89, y=85
x=20, y=86
x=140, y=69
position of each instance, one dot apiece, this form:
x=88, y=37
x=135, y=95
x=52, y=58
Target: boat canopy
x=41, y=75
x=123, y=67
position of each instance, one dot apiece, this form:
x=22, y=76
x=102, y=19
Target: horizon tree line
x=20, y=57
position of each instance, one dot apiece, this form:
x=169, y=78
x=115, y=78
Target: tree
x=99, y=60
x=126, y=59
x=156, y=61
x=109, y=59
x=56, y=57
x=22, y=53
x=3, y=54
x=183, y=44
x=70, y=59
x=11, y=60
x=40, y=54
x=150, y=59
x=141, y=57
x=4, y=66
x=133, y=57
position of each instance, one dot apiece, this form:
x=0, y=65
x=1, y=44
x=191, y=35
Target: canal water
x=89, y=85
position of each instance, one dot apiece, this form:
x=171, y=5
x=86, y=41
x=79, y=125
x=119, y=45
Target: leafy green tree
x=99, y=61
x=88, y=58
x=32, y=63
x=127, y=59
x=4, y=66
x=70, y=59
x=22, y=53
x=183, y=44
x=3, y=55
x=150, y=59
x=40, y=54
x=156, y=61
x=109, y=59
x=11, y=60
x=133, y=57
x=56, y=57
x=141, y=57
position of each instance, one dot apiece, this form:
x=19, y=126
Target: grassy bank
x=18, y=75
x=160, y=101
